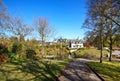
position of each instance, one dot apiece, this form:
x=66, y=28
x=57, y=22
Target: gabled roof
x=76, y=41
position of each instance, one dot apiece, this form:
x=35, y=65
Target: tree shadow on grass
x=111, y=69
x=43, y=71
x=33, y=70
x=13, y=80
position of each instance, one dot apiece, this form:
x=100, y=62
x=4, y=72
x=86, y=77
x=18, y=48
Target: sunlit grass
x=90, y=53
x=40, y=70
x=109, y=71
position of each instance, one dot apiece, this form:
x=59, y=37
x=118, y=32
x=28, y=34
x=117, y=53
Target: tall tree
x=18, y=28
x=111, y=31
x=95, y=22
x=112, y=14
x=3, y=17
x=112, y=11
x=105, y=14
x=44, y=30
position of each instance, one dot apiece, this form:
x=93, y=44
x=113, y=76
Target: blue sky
x=66, y=16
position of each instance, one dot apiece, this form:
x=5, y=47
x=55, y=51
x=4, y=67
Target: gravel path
x=78, y=71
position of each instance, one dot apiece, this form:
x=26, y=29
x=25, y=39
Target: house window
x=74, y=46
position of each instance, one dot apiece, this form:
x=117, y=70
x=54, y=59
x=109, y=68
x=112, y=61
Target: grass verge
x=109, y=71
x=40, y=70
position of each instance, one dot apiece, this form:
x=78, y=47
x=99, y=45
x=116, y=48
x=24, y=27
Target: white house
x=75, y=44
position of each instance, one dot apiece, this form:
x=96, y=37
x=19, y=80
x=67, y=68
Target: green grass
x=43, y=70
x=90, y=53
x=109, y=71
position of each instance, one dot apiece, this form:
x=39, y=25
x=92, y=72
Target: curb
x=95, y=73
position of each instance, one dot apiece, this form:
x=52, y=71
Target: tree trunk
x=43, y=50
x=21, y=38
x=110, y=48
x=101, y=45
x=101, y=54
x=43, y=46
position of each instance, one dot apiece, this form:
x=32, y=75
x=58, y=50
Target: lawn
x=91, y=53
x=109, y=71
x=42, y=70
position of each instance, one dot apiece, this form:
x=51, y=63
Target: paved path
x=78, y=71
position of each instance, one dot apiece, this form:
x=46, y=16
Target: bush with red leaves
x=3, y=49
x=3, y=58
x=3, y=52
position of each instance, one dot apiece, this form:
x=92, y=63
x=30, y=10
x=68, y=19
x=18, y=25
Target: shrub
x=3, y=52
x=3, y=58
x=30, y=54
x=3, y=49
x=13, y=56
x=16, y=47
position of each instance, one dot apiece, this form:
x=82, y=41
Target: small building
x=76, y=44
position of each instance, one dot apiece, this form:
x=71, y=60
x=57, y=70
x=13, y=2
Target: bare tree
x=112, y=15
x=104, y=14
x=112, y=11
x=18, y=28
x=44, y=30
x=111, y=31
x=3, y=17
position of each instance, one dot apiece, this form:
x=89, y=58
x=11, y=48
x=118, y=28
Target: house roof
x=76, y=41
